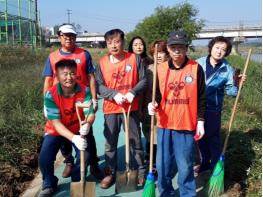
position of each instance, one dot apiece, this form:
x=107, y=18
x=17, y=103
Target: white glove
x=95, y=104
x=84, y=129
x=129, y=97
x=119, y=98
x=152, y=108
x=200, y=131
x=80, y=143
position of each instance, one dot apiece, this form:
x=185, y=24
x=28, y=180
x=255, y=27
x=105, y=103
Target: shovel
x=82, y=188
x=126, y=181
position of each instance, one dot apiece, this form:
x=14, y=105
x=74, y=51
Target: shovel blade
x=126, y=181
x=79, y=189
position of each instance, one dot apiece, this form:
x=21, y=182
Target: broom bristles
x=215, y=185
x=149, y=187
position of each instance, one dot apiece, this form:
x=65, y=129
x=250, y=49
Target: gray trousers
x=112, y=126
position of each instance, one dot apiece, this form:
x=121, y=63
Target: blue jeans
x=175, y=154
x=210, y=145
x=50, y=147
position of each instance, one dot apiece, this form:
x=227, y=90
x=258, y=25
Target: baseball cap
x=67, y=28
x=177, y=37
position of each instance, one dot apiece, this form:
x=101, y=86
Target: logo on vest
x=176, y=87
x=69, y=112
x=188, y=79
x=119, y=76
x=77, y=60
x=128, y=68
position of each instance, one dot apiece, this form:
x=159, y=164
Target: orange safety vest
x=178, y=107
x=66, y=106
x=80, y=58
x=121, y=77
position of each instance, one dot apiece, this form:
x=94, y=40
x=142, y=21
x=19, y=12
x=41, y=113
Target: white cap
x=67, y=29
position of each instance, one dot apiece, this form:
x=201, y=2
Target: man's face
x=115, y=45
x=67, y=40
x=177, y=52
x=67, y=77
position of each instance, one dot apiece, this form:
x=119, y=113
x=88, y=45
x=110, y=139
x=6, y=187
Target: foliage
x=21, y=118
x=168, y=19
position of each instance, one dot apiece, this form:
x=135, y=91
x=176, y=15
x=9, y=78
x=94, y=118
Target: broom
x=149, y=187
x=215, y=185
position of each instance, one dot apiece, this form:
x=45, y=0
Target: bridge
x=236, y=34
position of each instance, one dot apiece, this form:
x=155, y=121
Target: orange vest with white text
x=178, y=107
x=80, y=58
x=122, y=77
x=66, y=106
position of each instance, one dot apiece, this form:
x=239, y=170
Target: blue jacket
x=219, y=81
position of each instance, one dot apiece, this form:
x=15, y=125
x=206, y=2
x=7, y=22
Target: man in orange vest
x=85, y=75
x=180, y=117
x=63, y=124
x=120, y=79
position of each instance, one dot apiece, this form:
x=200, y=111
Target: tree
x=168, y=19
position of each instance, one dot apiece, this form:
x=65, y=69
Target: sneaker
x=96, y=172
x=47, y=192
x=67, y=170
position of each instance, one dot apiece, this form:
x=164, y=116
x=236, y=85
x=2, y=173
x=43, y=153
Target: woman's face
x=137, y=46
x=161, y=57
x=218, y=51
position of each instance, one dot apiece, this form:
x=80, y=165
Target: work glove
x=119, y=98
x=95, y=104
x=200, y=131
x=80, y=143
x=152, y=108
x=129, y=97
x=84, y=129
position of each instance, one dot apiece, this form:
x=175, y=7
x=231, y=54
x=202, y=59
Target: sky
x=103, y=15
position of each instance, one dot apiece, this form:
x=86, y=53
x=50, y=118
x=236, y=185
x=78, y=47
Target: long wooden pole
x=236, y=101
x=153, y=102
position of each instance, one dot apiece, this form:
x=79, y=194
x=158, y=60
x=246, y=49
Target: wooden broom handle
x=153, y=102
x=236, y=101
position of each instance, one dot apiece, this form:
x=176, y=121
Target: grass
x=21, y=121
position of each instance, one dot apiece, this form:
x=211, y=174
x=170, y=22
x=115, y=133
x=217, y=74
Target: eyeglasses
x=68, y=36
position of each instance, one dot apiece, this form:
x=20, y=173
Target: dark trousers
x=50, y=147
x=112, y=128
x=66, y=150
x=210, y=144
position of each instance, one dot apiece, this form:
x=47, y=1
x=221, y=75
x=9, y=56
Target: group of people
x=187, y=108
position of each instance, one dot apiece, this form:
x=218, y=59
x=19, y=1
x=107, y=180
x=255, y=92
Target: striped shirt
x=52, y=111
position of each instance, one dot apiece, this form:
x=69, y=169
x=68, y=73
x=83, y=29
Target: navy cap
x=177, y=37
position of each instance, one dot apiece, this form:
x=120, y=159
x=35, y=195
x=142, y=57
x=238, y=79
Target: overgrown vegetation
x=21, y=117
x=21, y=122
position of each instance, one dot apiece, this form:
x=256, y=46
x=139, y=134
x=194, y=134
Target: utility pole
x=69, y=13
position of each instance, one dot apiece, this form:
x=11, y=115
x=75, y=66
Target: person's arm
x=142, y=83
x=90, y=70
x=48, y=81
x=230, y=87
x=53, y=113
x=201, y=96
x=47, y=73
x=102, y=90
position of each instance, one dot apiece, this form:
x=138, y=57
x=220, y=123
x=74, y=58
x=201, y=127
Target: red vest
x=80, y=58
x=66, y=106
x=178, y=108
x=121, y=77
